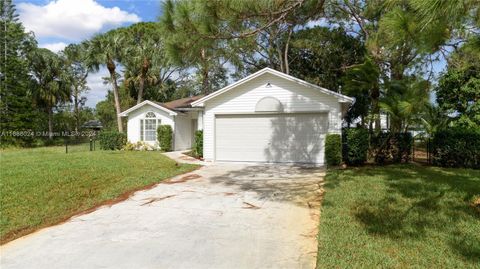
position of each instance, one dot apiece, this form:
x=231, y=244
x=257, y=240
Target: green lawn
x=403, y=216
x=44, y=186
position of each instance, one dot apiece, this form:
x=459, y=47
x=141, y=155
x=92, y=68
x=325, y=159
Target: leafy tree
x=105, y=110
x=398, y=41
x=458, y=90
x=64, y=119
x=52, y=84
x=77, y=72
x=106, y=50
x=248, y=34
x=321, y=55
x=182, y=22
x=459, y=13
x=16, y=113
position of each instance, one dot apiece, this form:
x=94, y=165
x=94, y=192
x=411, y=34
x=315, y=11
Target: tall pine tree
x=16, y=113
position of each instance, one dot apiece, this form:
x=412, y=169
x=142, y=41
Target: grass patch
x=44, y=186
x=402, y=216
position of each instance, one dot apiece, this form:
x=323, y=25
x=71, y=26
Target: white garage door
x=295, y=137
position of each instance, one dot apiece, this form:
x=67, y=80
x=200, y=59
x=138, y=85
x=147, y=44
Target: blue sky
x=57, y=23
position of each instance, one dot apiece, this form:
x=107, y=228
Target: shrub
x=140, y=145
x=112, y=140
x=456, y=147
x=165, y=137
x=391, y=147
x=129, y=146
x=198, y=144
x=333, y=149
x=356, y=146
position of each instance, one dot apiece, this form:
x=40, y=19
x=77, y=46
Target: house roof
x=93, y=124
x=181, y=103
x=341, y=97
x=171, y=107
x=147, y=102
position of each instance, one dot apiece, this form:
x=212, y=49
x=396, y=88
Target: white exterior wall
x=133, y=123
x=242, y=99
x=200, y=121
x=183, y=132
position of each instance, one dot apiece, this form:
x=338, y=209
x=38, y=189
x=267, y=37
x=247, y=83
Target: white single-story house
x=267, y=116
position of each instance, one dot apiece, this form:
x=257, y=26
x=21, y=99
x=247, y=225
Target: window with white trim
x=148, y=127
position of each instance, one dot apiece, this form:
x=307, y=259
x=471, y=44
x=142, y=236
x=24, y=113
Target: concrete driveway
x=220, y=216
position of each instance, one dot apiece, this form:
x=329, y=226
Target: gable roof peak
x=341, y=97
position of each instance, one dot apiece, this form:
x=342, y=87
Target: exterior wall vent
x=269, y=104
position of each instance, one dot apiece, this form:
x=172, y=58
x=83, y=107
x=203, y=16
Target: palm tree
x=362, y=82
x=53, y=83
x=142, y=47
x=434, y=119
x=106, y=50
x=404, y=101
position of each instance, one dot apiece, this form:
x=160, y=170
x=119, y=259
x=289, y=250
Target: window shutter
x=141, y=130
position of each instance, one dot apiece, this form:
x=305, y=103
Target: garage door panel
x=271, y=138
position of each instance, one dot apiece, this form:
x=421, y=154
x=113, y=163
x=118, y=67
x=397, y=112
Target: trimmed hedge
x=198, y=144
x=356, y=146
x=165, y=137
x=333, y=149
x=391, y=147
x=456, y=147
x=112, y=140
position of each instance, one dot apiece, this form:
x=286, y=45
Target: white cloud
x=98, y=90
x=55, y=47
x=71, y=19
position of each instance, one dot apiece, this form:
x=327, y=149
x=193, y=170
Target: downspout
x=174, y=132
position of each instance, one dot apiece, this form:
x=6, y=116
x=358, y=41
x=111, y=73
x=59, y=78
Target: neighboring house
x=266, y=117
x=384, y=122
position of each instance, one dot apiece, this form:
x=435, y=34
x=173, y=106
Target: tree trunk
x=113, y=77
x=76, y=110
x=271, y=50
x=140, y=89
x=143, y=75
x=375, y=95
x=50, y=123
x=285, y=55
x=280, y=58
x=204, y=62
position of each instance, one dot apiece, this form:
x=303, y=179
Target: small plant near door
x=198, y=144
x=164, y=136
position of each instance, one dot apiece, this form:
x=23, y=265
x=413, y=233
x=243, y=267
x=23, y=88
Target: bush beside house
x=356, y=146
x=112, y=140
x=456, y=147
x=198, y=144
x=333, y=149
x=391, y=147
x=165, y=137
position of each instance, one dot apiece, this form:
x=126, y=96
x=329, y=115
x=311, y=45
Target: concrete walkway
x=182, y=158
x=220, y=216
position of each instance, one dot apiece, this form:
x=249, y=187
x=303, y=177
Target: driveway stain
x=156, y=199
